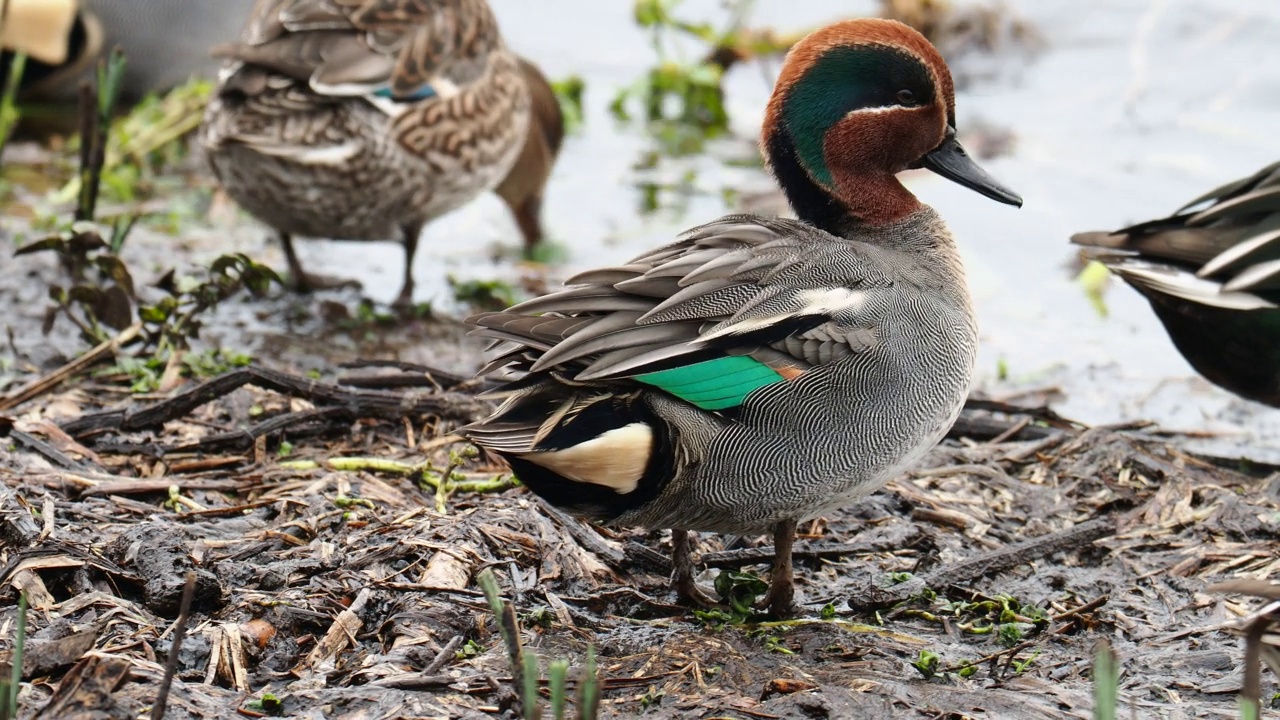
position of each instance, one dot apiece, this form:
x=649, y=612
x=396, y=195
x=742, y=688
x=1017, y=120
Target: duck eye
x=906, y=97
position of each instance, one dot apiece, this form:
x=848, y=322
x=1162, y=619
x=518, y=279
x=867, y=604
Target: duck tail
x=590, y=451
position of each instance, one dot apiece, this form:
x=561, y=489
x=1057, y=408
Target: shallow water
x=1133, y=108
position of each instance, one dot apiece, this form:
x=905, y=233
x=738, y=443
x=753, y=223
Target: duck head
x=856, y=103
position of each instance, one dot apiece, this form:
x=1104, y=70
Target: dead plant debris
x=334, y=548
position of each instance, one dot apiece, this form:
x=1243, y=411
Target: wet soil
x=350, y=593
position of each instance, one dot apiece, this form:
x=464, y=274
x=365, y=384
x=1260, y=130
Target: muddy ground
x=335, y=576
x=345, y=588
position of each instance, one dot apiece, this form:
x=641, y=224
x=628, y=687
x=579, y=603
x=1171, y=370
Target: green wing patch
x=714, y=384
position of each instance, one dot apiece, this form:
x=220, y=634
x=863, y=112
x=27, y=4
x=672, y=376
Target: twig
x=817, y=551
x=508, y=627
x=244, y=440
x=1088, y=607
x=965, y=571
x=47, y=451
x=419, y=681
x=978, y=425
x=414, y=376
x=422, y=470
x=19, y=647
x=588, y=538
x=48, y=382
x=1014, y=430
x=444, y=656
x=98, y=106
x=140, y=486
x=988, y=658
x=340, y=633
x=353, y=404
x=1005, y=408
x=1014, y=555
x=1258, y=588
x=179, y=633
x=88, y=123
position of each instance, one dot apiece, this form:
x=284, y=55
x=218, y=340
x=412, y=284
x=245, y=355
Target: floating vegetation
x=1094, y=279
x=9, y=112
x=569, y=93
x=524, y=665
x=681, y=101
x=484, y=294
x=103, y=300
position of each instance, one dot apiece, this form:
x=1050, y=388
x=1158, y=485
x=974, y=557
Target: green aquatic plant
x=10, y=686
x=97, y=108
x=9, y=112
x=680, y=101
x=569, y=93
x=1106, y=683
x=484, y=294
x=524, y=666
x=927, y=663
x=1093, y=280
x=131, y=150
x=269, y=704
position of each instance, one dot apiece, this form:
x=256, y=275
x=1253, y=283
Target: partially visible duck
x=165, y=41
x=522, y=188
x=760, y=371
x=365, y=119
x=1211, y=272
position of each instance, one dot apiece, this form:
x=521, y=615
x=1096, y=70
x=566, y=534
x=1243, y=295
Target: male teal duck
x=1211, y=272
x=761, y=371
x=365, y=119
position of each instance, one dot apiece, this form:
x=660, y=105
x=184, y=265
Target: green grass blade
x=1106, y=683
x=9, y=115
x=529, y=694
x=589, y=688
x=19, y=647
x=557, y=678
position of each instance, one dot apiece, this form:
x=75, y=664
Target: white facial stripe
x=876, y=110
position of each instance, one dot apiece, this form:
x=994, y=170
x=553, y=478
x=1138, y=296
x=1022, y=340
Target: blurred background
x=1100, y=112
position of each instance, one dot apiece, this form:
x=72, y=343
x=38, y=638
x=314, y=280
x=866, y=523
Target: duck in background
x=1211, y=272
x=367, y=120
x=166, y=41
x=761, y=371
x=523, y=186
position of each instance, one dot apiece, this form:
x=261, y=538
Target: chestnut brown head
x=859, y=101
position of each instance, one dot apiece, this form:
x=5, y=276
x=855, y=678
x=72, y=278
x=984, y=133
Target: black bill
x=952, y=162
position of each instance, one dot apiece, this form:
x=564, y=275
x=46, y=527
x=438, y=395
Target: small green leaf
x=927, y=663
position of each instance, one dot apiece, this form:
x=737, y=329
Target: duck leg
x=411, y=232
x=781, y=599
x=299, y=280
x=682, y=578
x=528, y=217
